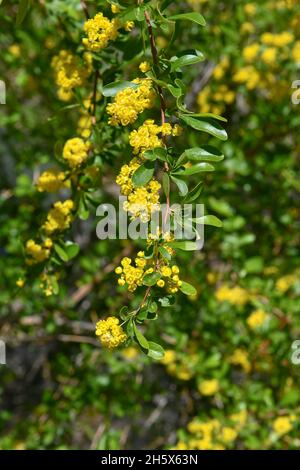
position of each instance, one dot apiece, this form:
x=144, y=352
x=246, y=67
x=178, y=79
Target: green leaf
x=184, y=245
x=188, y=59
x=195, y=17
x=151, y=279
x=113, y=88
x=208, y=115
x=188, y=289
x=155, y=351
x=158, y=153
x=176, y=92
x=195, y=193
x=72, y=249
x=140, y=338
x=209, y=220
x=198, y=168
x=208, y=126
x=164, y=253
x=22, y=11
x=166, y=184
x=61, y=252
x=143, y=174
x=207, y=153
x=167, y=301
x=182, y=186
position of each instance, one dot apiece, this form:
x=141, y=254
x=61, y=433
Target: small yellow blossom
x=256, y=319
x=209, y=387
x=283, y=425
x=144, y=67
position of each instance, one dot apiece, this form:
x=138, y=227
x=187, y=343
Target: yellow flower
x=20, y=283
x=51, y=181
x=250, y=9
x=209, y=387
x=284, y=283
x=169, y=357
x=240, y=418
x=269, y=55
x=296, y=52
x=228, y=434
x=70, y=72
x=129, y=25
x=15, y=50
x=256, y=319
x=130, y=102
x=115, y=8
x=240, y=358
x=144, y=67
x=247, y=75
x=161, y=283
x=76, y=151
x=234, y=295
x=130, y=353
x=100, y=30
x=110, y=333
x=282, y=425
x=59, y=217
x=250, y=52
x=142, y=201
x=36, y=252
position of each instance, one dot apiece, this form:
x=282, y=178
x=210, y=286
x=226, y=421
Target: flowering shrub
x=108, y=98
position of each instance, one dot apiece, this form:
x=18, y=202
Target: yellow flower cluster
x=240, y=358
x=100, y=30
x=256, y=319
x=70, y=72
x=38, y=253
x=146, y=136
x=215, y=102
x=142, y=201
x=110, y=333
x=209, y=387
x=235, y=295
x=278, y=40
x=284, y=283
x=212, y=434
x=59, y=217
x=171, y=280
x=283, y=424
x=177, y=366
x=130, y=102
x=132, y=275
x=46, y=284
x=76, y=151
x=248, y=76
x=51, y=181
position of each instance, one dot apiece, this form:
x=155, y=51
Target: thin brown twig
x=163, y=105
x=85, y=9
